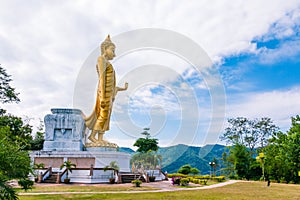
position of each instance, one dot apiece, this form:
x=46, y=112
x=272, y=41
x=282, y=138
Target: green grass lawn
x=237, y=191
x=85, y=188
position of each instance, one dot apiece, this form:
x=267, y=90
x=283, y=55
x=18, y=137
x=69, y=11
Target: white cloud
x=279, y=105
x=284, y=27
x=45, y=43
x=288, y=51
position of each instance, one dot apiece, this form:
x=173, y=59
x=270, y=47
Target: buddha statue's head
x=105, y=44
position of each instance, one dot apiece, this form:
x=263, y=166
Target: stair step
x=128, y=177
x=52, y=178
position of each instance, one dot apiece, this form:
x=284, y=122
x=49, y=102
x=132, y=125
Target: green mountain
x=176, y=156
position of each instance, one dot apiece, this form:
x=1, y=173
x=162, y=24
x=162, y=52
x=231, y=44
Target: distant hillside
x=176, y=156
x=126, y=150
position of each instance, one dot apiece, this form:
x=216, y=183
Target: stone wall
x=83, y=162
x=49, y=161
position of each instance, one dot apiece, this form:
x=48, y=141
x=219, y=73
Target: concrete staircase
x=128, y=177
x=52, y=178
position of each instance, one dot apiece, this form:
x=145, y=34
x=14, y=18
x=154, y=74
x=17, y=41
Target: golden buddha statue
x=99, y=120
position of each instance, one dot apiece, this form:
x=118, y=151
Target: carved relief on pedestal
x=64, y=130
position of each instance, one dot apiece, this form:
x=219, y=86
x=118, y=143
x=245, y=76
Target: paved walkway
x=162, y=186
x=166, y=186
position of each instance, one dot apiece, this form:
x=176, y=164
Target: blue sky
x=262, y=74
x=254, y=48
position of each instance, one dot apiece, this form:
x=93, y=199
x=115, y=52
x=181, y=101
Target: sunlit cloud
x=44, y=45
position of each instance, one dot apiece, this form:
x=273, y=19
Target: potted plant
x=38, y=166
x=151, y=176
x=69, y=166
x=112, y=165
x=137, y=183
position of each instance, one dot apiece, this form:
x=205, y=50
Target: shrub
x=137, y=183
x=185, y=169
x=196, y=181
x=190, y=178
x=176, y=175
x=6, y=191
x=202, y=177
x=26, y=184
x=233, y=176
x=219, y=178
x=184, y=181
x=205, y=177
x=176, y=180
x=203, y=181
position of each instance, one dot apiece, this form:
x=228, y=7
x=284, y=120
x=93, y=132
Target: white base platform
x=83, y=159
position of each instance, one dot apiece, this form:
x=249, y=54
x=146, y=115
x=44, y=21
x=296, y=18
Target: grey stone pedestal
x=64, y=130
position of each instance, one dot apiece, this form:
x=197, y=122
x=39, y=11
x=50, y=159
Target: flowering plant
x=176, y=180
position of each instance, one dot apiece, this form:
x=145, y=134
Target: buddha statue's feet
x=101, y=143
x=92, y=139
x=105, y=143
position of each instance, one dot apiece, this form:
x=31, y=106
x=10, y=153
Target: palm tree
x=69, y=166
x=157, y=159
x=36, y=167
x=39, y=165
x=113, y=165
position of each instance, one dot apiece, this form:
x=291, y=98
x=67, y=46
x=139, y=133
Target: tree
x=261, y=159
x=148, y=160
x=39, y=166
x=185, y=169
x=282, y=154
x=228, y=162
x=241, y=157
x=293, y=148
x=38, y=142
x=113, y=165
x=19, y=133
x=69, y=166
x=236, y=131
x=146, y=144
x=7, y=93
x=146, y=157
x=12, y=158
x=15, y=164
x=194, y=171
x=7, y=192
x=265, y=129
x=247, y=137
x=250, y=133
x=276, y=158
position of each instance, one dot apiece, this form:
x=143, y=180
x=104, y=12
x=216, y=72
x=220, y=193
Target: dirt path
x=162, y=186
